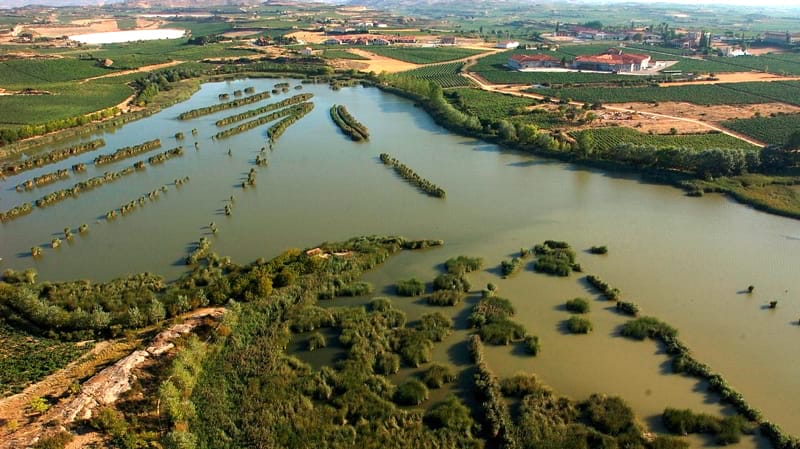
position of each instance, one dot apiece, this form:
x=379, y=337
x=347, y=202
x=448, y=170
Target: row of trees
x=267, y=108
x=126, y=152
x=276, y=131
x=52, y=157
x=44, y=179
x=348, y=124
x=412, y=177
x=292, y=111
x=199, y=112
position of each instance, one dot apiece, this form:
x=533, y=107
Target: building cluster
x=611, y=60
x=377, y=39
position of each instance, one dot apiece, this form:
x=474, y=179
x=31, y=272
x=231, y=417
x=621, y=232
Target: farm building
x=782, y=38
x=507, y=44
x=448, y=40
x=613, y=60
x=522, y=62
x=332, y=41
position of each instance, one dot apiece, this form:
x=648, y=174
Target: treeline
x=149, y=86
x=52, y=157
x=97, y=181
x=348, y=124
x=127, y=152
x=16, y=211
x=199, y=112
x=292, y=111
x=412, y=177
x=684, y=362
x=275, y=131
x=496, y=414
x=44, y=179
x=270, y=107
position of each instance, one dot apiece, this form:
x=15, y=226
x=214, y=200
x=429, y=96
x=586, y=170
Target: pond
x=683, y=260
x=115, y=37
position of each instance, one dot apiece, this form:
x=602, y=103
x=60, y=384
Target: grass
x=138, y=54
x=773, y=194
x=771, y=130
x=423, y=55
x=25, y=359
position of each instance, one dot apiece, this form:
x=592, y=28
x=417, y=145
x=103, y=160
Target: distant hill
x=8, y=4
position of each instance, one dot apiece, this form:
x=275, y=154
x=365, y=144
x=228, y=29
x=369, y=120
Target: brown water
x=683, y=260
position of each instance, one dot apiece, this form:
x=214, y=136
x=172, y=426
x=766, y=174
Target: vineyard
x=773, y=130
x=780, y=91
x=25, y=359
x=445, y=75
x=608, y=138
x=416, y=55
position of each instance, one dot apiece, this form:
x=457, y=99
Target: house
x=380, y=41
x=782, y=38
x=307, y=51
x=522, y=62
x=589, y=33
x=733, y=52
x=332, y=41
x=613, y=60
x=404, y=40
x=507, y=44
x=449, y=40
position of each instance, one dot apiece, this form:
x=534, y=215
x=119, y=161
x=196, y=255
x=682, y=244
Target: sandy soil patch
x=309, y=37
x=148, y=24
x=235, y=34
x=380, y=64
x=736, y=77
x=78, y=27
x=711, y=114
x=765, y=50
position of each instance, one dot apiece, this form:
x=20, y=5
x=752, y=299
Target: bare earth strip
x=736, y=77
x=380, y=64
x=146, y=68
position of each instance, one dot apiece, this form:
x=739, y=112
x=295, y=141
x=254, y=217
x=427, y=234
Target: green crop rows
x=608, y=138
x=771, y=130
x=445, y=75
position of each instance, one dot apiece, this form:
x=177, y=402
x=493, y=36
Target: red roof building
x=521, y=61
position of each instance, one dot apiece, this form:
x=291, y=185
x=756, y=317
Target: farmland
x=708, y=94
x=608, y=138
x=772, y=130
x=445, y=75
x=24, y=73
x=423, y=55
x=133, y=55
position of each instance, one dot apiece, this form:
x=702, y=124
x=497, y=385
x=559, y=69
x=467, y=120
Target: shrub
x=412, y=392
x=450, y=414
x=380, y=304
x=437, y=375
x=316, y=341
x=446, y=298
x=109, y=421
x=411, y=287
x=435, y=326
x=646, y=326
x=387, y=363
x=519, y=385
x=665, y=442
x=579, y=325
x=598, y=250
x=463, y=264
x=450, y=281
x=415, y=348
x=628, y=308
x=56, y=441
x=610, y=415
x=578, y=305
x=38, y=405
x=509, y=267
x=532, y=344
x=356, y=289
x=501, y=332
